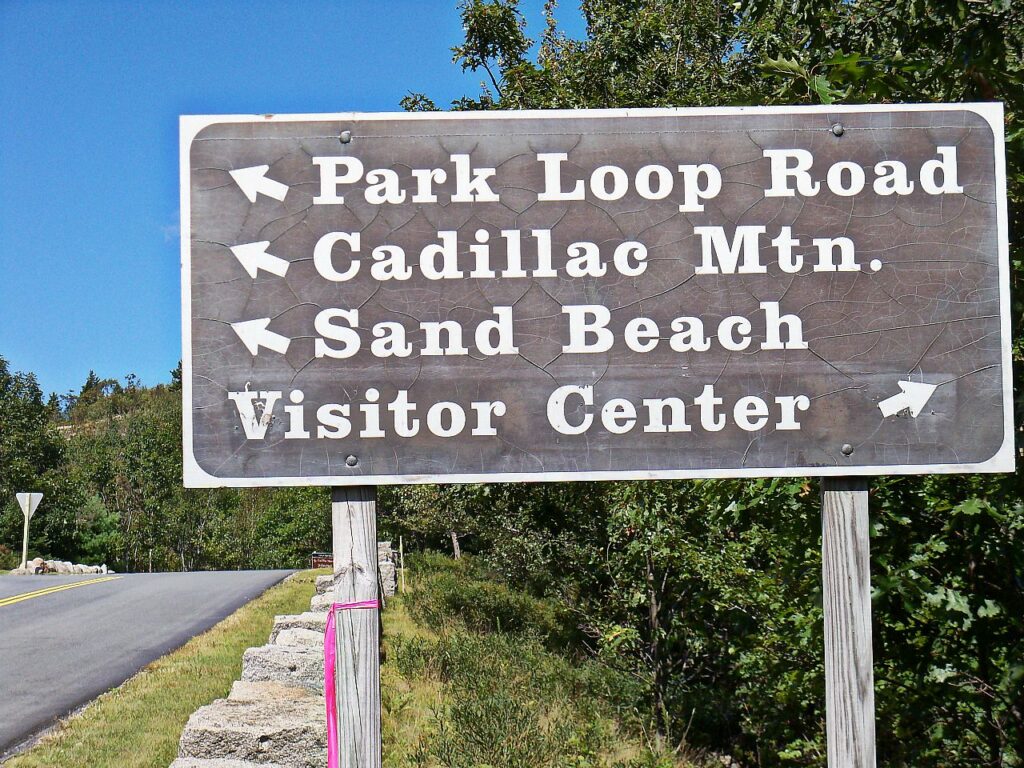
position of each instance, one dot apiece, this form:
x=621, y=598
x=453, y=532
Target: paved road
x=60, y=649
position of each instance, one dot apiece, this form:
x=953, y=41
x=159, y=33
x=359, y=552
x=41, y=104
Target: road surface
x=66, y=639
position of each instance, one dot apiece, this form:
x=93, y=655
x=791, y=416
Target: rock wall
x=38, y=565
x=275, y=716
x=387, y=568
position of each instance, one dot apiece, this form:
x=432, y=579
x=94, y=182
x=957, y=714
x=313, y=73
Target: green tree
x=125, y=450
x=33, y=458
x=710, y=591
x=433, y=514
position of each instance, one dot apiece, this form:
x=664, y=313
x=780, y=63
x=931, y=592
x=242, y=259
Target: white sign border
x=196, y=477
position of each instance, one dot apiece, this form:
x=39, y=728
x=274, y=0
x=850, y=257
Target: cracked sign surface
x=570, y=295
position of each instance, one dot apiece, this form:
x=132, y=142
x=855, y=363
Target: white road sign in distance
x=29, y=502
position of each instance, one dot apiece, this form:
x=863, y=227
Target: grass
x=138, y=724
x=469, y=681
x=474, y=674
x=408, y=702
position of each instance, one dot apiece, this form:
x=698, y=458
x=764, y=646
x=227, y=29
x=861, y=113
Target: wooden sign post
x=846, y=585
x=357, y=676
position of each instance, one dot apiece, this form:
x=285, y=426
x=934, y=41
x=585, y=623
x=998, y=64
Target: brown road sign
x=458, y=297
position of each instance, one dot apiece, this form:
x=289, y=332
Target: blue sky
x=90, y=94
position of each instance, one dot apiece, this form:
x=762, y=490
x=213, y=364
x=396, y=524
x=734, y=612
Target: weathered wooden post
x=357, y=651
x=846, y=582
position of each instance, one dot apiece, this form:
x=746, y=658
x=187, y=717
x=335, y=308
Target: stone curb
x=274, y=716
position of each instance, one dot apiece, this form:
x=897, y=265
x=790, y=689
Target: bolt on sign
x=383, y=298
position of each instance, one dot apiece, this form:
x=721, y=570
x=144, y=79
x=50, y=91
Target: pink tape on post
x=330, y=653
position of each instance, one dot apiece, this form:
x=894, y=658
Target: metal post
x=357, y=677
x=846, y=580
x=24, y=545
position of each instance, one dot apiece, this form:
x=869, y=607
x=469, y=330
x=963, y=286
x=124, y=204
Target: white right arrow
x=914, y=397
x=254, y=181
x=255, y=334
x=254, y=257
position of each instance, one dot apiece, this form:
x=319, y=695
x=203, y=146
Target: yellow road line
x=50, y=590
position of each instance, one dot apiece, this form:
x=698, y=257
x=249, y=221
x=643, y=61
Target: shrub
x=465, y=591
x=8, y=558
x=508, y=699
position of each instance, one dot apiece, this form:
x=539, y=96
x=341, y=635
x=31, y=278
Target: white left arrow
x=914, y=397
x=254, y=257
x=254, y=181
x=255, y=334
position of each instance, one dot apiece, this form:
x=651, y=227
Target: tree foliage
x=33, y=458
x=710, y=591
x=108, y=460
